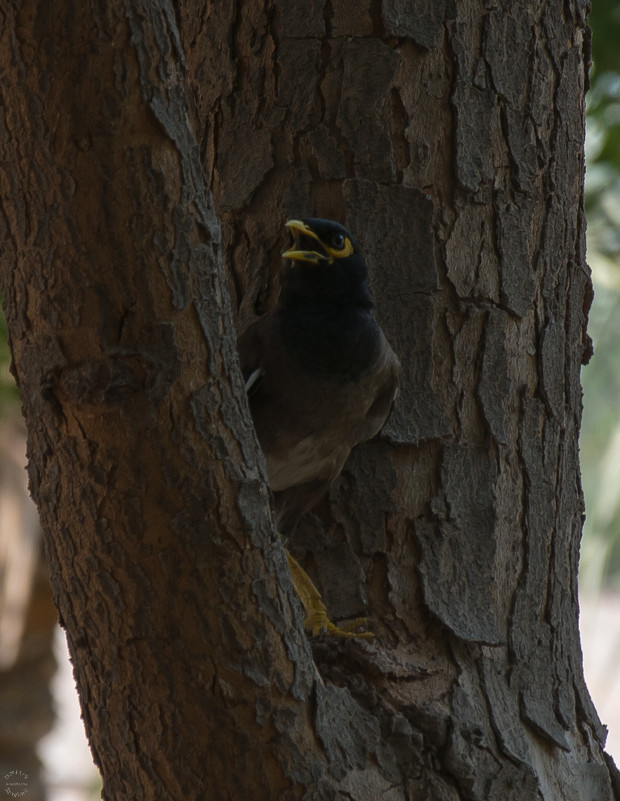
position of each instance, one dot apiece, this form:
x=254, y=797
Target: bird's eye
x=338, y=241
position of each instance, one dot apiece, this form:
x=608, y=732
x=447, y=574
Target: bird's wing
x=272, y=389
x=385, y=393
x=306, y=425
x=251, y=382
x=251, y=346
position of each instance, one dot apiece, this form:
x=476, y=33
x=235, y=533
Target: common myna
x=320, y=377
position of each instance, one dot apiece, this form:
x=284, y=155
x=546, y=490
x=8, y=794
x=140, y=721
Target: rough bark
x=142, y=460
x=450, y=139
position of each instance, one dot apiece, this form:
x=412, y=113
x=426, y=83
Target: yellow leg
x=317, y=620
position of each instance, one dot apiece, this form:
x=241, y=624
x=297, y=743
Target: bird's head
x=319, y=242
x=326, y=264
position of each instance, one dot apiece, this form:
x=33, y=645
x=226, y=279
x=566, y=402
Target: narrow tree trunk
x=142, y=459
x=450, y=139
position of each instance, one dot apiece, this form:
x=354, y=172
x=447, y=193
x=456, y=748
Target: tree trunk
x=449, y=137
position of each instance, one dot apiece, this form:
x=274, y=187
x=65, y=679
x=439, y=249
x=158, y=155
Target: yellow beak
x=297, y=228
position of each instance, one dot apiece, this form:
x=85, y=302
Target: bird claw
x=317, y=621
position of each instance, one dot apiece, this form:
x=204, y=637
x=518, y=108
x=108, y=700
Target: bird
x=320, y=377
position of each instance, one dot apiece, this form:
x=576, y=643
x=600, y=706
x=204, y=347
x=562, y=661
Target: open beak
x=305, y=244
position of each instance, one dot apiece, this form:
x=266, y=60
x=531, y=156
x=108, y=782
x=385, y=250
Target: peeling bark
x=450, y=139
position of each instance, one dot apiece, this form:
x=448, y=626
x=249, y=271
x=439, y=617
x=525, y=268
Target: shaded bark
x=142, y=459
x=451, y=141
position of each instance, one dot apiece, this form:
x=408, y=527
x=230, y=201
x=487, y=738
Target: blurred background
x=600, y=432
x=42, y=743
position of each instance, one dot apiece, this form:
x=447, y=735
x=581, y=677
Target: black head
x=325, y=307
x=325, y=264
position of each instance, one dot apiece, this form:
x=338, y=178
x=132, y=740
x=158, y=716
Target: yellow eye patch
x=340, y=253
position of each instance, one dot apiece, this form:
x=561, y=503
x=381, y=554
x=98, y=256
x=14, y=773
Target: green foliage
x=605, y=24
x=8, y=390
x=600, y=436
x=604, y=97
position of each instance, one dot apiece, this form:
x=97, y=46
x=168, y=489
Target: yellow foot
x=317, y=620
